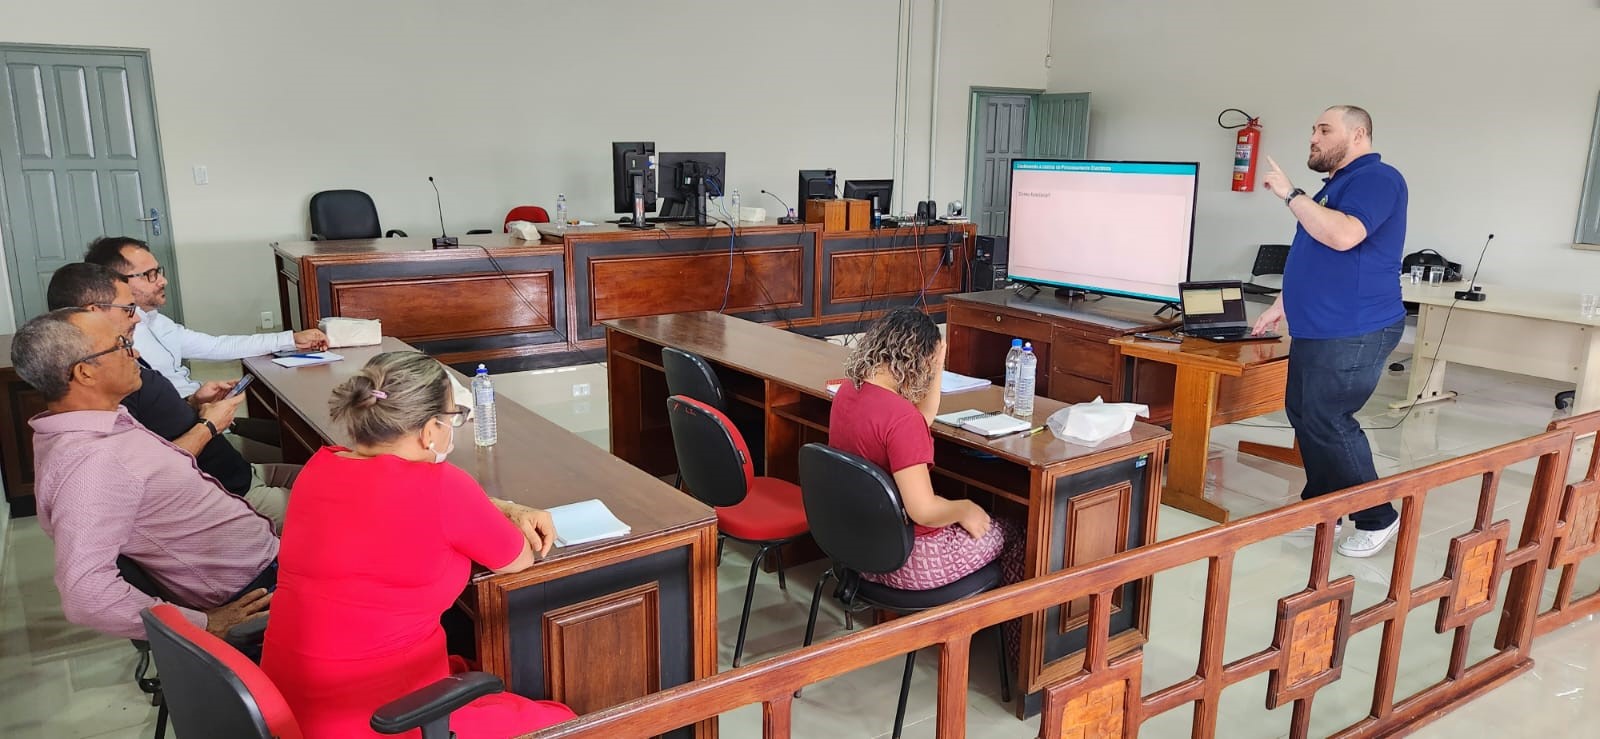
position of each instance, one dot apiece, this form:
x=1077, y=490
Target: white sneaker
x=1365, y=543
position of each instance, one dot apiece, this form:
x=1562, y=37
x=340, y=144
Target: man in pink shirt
x=107, y=486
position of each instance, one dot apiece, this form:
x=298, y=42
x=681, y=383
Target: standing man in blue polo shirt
x=1341, y=296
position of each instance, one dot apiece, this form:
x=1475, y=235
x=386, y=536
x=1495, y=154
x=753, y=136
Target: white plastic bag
x=351, y=331
x=1094, y=422
x=524, y=230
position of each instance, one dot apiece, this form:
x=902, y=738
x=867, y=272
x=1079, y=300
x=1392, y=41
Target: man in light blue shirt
x=164, y=343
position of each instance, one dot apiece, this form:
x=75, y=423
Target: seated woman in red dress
x=383, y=539
x=883, y=413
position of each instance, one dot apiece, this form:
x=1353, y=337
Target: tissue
x=352, y=331
x=1093, y=422
x=524, y=230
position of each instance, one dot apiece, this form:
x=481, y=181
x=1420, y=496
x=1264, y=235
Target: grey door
x=1000, y=134
x=79, y=159
x=1060, y=127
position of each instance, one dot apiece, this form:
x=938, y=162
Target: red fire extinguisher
x=1246, y=150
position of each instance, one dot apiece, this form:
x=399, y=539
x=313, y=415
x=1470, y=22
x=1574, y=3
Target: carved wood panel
x=1097, y=525
x=624, y=287
x=1313, y=627
x=436, y=307
x=604, y=651
x=864, y=275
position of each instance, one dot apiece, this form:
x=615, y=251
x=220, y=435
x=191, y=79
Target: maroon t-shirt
x=882, y=427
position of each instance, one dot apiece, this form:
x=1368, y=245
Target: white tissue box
x=1094, y=422
x=352, y=331
x=748, y=214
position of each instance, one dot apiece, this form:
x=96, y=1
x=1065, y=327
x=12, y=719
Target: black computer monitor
x=633, y=175
x=815, y=183
x=687, y=179
x=877, y=191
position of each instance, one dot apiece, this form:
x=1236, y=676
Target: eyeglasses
x=130, y=308
x=122, y=344
x=150, y=275
x=457, y=418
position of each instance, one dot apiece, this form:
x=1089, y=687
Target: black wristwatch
x=1295, y=193
x=211, y=426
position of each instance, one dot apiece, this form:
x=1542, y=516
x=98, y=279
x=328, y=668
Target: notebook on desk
x=1214, y=310
x=983, y=423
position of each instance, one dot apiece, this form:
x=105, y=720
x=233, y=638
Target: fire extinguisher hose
x=1249, y=119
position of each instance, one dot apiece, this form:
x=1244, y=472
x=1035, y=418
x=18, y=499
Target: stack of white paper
x=586, y=521
x=308, y=359
x=954, y=383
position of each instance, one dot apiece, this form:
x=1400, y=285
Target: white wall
x=508, y=102
x=1485, y=106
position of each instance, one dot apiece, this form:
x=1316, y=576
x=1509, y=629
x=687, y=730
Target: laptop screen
x=1213, y=305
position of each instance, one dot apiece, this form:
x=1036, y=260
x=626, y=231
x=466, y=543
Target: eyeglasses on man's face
x=150, y=275
x=122, y=345
x=128, y=308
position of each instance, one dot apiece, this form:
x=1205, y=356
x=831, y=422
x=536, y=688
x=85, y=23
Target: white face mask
x=438, y=456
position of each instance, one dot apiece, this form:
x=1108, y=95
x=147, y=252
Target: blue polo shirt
x=1331, y=294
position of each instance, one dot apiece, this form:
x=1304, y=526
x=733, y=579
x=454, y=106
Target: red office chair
x=212, y=689
x=529, y=213
x=715, y=466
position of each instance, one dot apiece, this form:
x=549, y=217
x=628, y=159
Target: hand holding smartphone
x=238, y=387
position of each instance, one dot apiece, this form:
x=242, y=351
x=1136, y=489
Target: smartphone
x=238, y=387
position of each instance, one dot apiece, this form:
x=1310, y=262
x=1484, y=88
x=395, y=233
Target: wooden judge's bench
x=520, y=304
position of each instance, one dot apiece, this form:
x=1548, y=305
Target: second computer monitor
x=815, y=183
x=877, y=191
x=681, y=176
x=632, y=174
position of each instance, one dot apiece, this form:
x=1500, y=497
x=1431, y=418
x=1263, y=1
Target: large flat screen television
x=1113, y=228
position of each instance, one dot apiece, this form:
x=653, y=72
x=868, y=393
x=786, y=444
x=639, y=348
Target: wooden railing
x=1106, y=699
x=1577, y=533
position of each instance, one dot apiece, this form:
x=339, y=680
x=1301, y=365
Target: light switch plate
x=201, y=177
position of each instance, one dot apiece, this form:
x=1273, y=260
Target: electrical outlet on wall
x=266, y=320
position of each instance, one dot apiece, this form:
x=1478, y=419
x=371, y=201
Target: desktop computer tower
x=988, y=264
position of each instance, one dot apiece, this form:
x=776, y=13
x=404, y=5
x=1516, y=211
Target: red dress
x=373, y=552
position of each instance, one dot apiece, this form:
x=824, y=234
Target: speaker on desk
x=988, y=264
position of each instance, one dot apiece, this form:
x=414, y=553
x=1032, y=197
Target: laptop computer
x=1214, y=310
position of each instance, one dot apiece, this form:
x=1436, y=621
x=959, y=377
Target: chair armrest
x=393, y=232
x=433, y=702
x=249, y=632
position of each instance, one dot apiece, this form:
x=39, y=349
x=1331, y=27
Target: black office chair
x=859, y=521
x=690, y=375
x=217, y=692
x=1270, y=260
x=715, y=467
x=346, y=214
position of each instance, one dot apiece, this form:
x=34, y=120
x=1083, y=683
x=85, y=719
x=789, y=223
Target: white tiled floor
x=57, y=680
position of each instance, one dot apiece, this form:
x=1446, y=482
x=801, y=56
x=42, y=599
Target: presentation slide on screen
x=1110, y=226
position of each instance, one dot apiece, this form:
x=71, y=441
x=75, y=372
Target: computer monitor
x=633, y=175
x=687, y=179
x=816, y=183
x=876, y=191
x=1114, y=228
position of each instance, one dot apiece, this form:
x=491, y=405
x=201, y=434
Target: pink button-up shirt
x=105, y=486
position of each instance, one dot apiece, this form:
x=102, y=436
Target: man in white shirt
x=164, y=343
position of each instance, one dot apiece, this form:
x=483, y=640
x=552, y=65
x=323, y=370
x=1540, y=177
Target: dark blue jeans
x=1329, y=380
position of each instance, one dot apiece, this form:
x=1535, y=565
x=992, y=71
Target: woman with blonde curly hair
x=883, y=414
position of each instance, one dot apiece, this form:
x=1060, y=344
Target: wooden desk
x=591, y=625
x=1529, y=332
x=1216, y=384
x=1071, y=338
x=18, y=403
x=528, y=304
x=1082, y=503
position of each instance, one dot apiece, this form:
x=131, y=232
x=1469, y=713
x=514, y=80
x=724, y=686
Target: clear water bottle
x=484, y=429
x=561, y=211
x=733, y=205
x=1026, y=370
x=1013, y=362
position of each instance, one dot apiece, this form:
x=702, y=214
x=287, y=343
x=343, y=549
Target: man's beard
x=1326, y=160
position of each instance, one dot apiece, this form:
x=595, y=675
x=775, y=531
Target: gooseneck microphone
x=1473, y=293
x=788, y=216
x=441, y=241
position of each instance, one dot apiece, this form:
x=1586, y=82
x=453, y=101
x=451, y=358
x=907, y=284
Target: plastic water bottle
x=484, y=431
x=1026, y=369
x=561, y=211
x=1013, y=362
x=733, y=204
